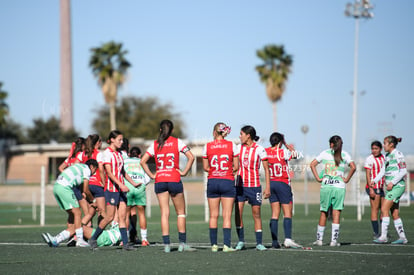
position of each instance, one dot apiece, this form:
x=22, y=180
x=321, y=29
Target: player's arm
x=266, y=193
x=351, y=172
x=144, y=165
x=62, y=166
x=368, y=178
x=206, y=165
x=102, y=173
x=114, y=179
x=86, y=191
x=190, y=160
x=131, y=181
x=235, y=164
x=313, y=165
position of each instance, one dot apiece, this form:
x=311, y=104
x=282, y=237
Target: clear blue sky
x=200, y=56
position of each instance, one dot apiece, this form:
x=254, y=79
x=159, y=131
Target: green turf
x=22, y=250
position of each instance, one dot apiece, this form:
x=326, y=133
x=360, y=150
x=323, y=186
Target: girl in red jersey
x=93, y=145
x=221, y=161
x=115, y=189
x=280, y=188
x=77, y=147
x=166, y=152
x=248, y=186
x=372, y=166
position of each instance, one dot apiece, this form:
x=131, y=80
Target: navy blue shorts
x=221, y=188
x=173, y=188
x=377, y=192
x=280, y=192
x=97, y=191
x=253, y=195
x=77, y=192
x=114, y=198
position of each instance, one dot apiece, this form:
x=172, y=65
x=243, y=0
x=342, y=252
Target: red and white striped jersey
x=374, y=164
x=95, y=179
x=220, y=154
x=114, y=159
x=167, y=159
x=279, y=164
x=250, y=158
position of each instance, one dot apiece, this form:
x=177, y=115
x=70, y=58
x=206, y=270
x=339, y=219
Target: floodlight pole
x=359, y=9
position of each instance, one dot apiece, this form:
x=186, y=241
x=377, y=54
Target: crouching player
x=69, y=179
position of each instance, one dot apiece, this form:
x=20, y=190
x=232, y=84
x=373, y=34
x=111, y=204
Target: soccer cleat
x=53, y=242
x=145, y=243
x=289, y=243
x=381, y=240
x=228, y=249
x=128, y=248
x=185, y=247
x=46, y=239
x=260, y=247
x=318, y=243
x=82, y=243
x=167, y=248
x=400, y=241
x=214, y=248
x=334, y=243
x=93, y=244
x=71, y=242
x=240, y=246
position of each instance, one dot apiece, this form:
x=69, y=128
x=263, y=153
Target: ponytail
x=336, y=142
x=166, y=128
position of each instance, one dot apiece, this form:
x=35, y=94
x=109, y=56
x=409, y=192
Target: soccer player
x=372, y=166
x=333, y=183
x=248, y=186
x=137, y=197
x=280, y=188
x=71, y=177
x=395, y=172
x=221, y=161
x=93, y=145
x=166, y=152
x=115, y=190
x=109, y=237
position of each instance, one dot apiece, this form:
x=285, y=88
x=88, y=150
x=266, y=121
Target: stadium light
x=359, y=9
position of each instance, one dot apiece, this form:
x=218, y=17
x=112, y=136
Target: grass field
x=22, y=250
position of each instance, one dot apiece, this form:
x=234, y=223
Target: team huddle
x=111, y=184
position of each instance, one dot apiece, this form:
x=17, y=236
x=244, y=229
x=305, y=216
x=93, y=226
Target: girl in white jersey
x=248, y=186
x=395, y=172
x=372, y=166
x=333, y=182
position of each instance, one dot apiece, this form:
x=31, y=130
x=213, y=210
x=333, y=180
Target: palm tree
x=110, y=67
x=274, y=73
x=4, y=108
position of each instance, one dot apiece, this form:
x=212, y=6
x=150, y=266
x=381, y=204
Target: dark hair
x=125, y=145
x=337, y=148
x=249, y=130
x=394, y=140
x=166, y=128
x=135, y=152
x=276, y=138
x=113, y=134
x=376, y=143
x=92, y=162
x=79, y=142
x=90, y=143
